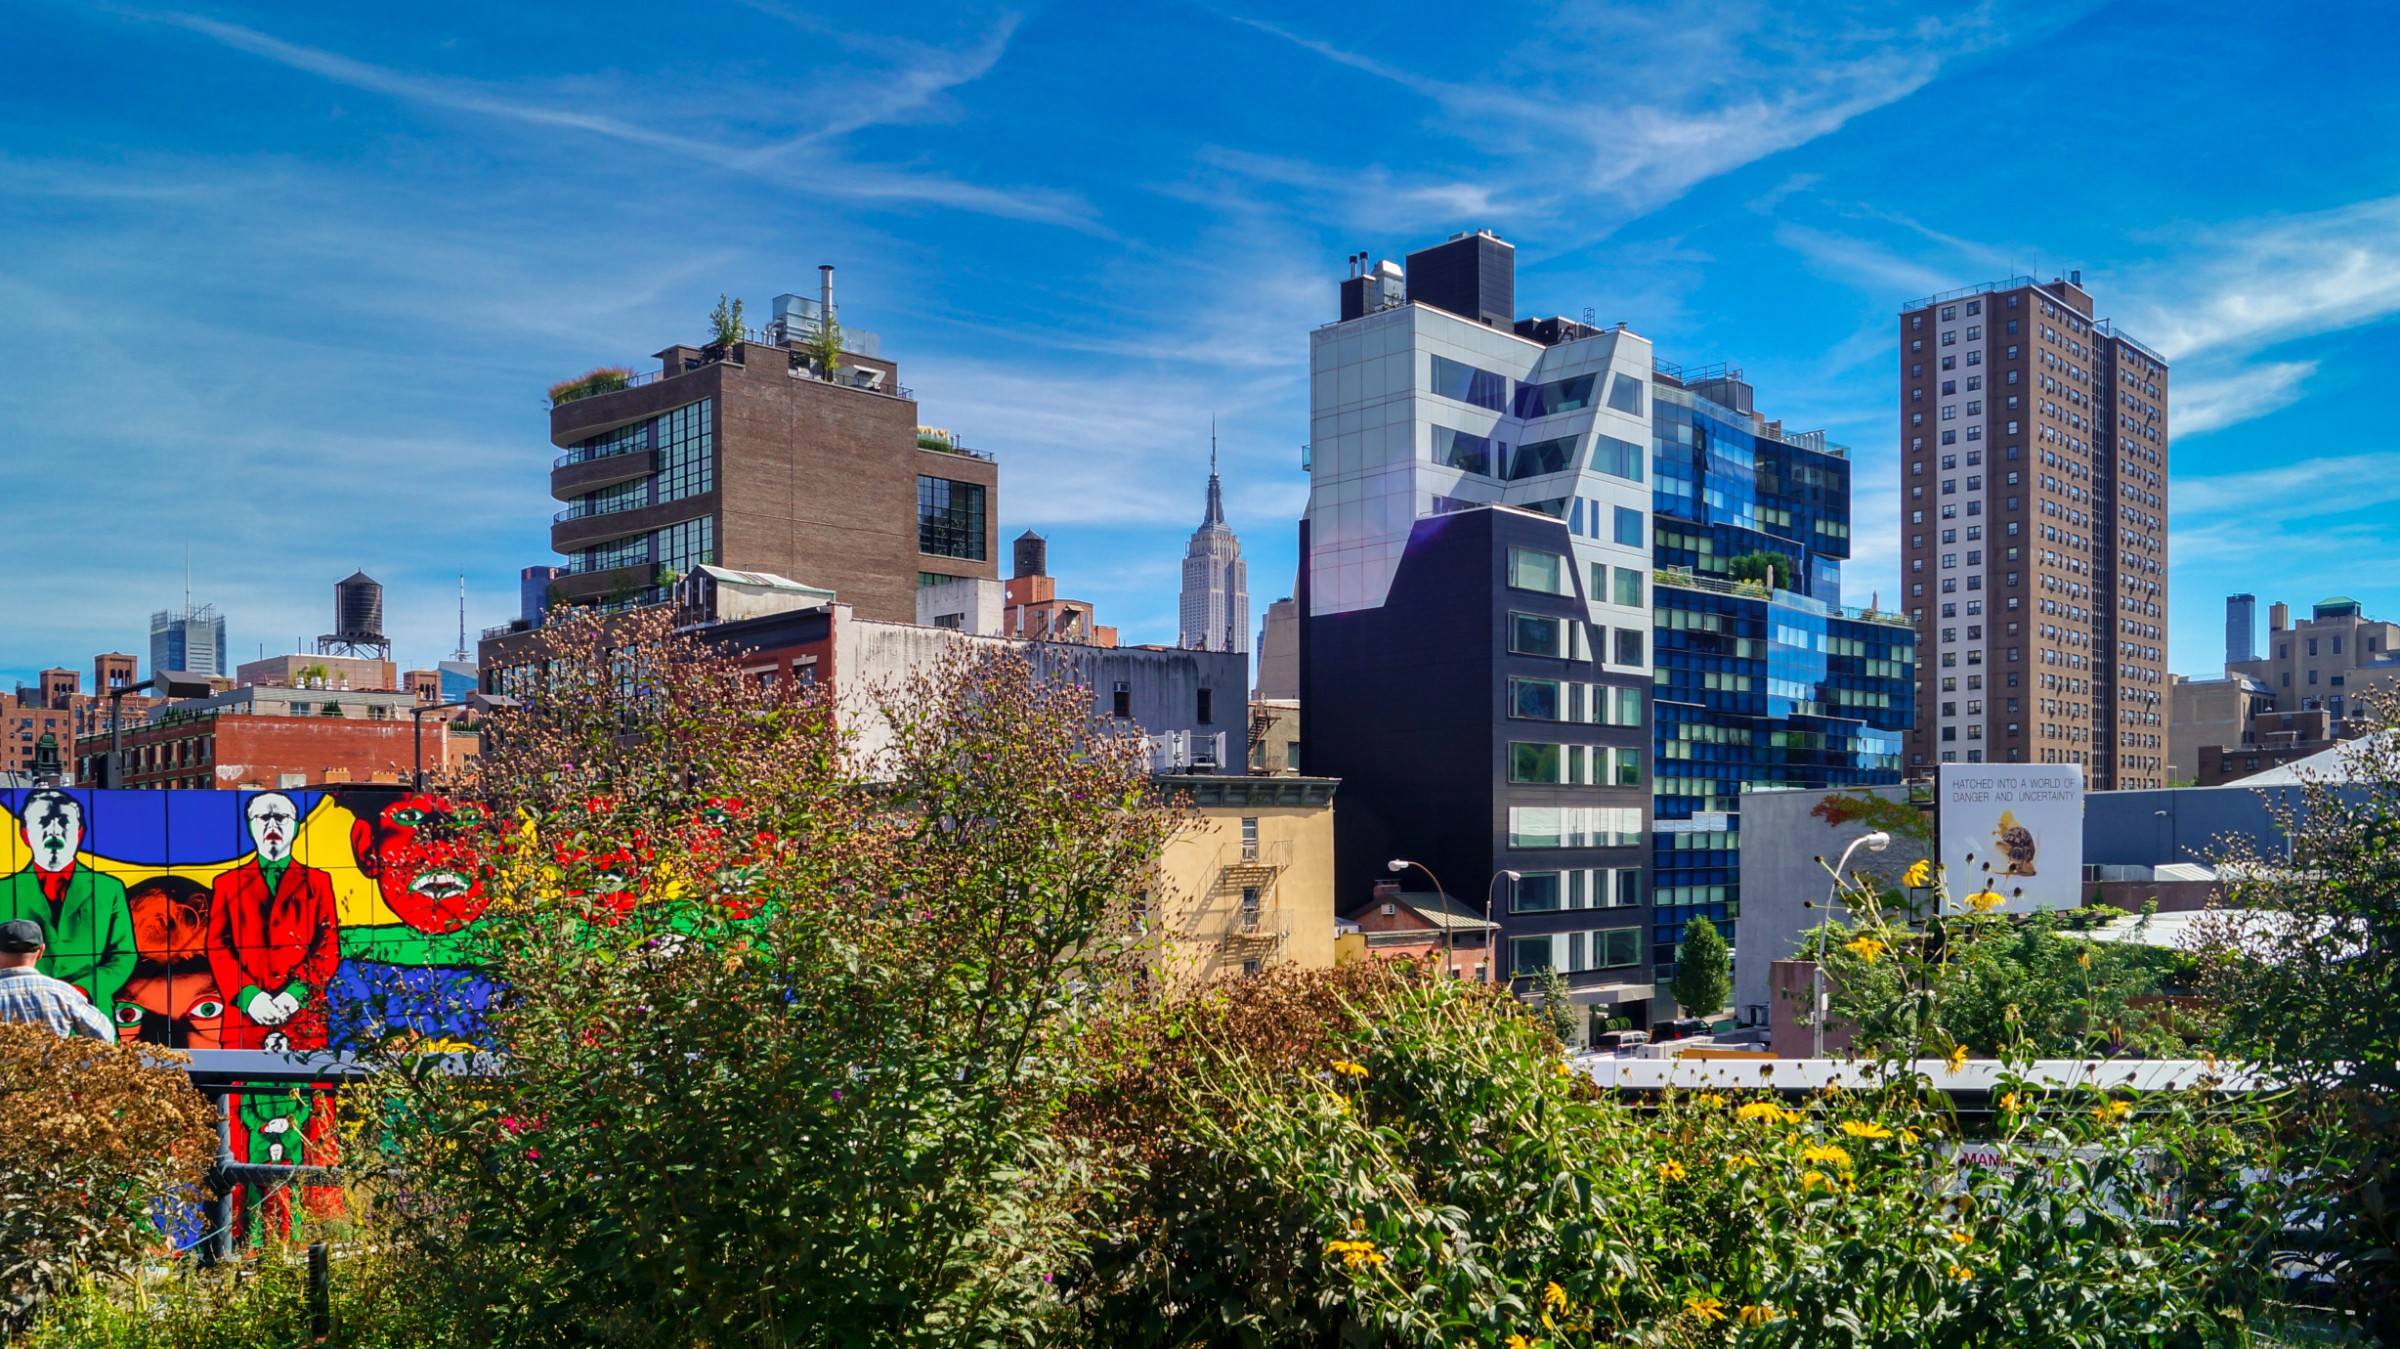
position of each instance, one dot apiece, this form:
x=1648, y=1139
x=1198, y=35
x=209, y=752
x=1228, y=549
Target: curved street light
x=1449, y=933
x=1491, y=931
x=1874, y=842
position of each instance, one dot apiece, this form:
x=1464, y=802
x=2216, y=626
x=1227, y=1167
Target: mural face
x=288, y=920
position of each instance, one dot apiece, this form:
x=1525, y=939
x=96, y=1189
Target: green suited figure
x=84, y=912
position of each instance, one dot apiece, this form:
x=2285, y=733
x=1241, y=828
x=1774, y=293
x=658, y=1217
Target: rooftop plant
x=604, y=379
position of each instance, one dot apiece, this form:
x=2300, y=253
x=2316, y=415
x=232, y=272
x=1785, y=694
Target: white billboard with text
x=2014, y=830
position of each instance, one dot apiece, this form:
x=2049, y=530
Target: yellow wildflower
x=1706, y=1308
x=1919, y=875
x=1757, y=1314
x=1765, y=1112
x=1858, y=1129
x=1341, y=1106
x=1825, y=1154
x=1908, y=1137
x=1670, y=1170
x=1984, y=901
x=1355, y=1254
x=2008, y=1100
x=1554, y=1297
x=2084, y=958
x=1961, y=1273
x=1866, y=948
x=1959, y=1238
x=1348, y=1069
x=1740, y=1161
x=2112, y=1112
x=1564, y=1071
x=1516, y=1341
x=1957, y=1058
x=1710, y=1099
x=1810, y=1180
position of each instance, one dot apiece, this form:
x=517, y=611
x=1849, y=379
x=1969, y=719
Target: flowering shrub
x=90, y=1137
x=788, y=1004
x=1462, y=1190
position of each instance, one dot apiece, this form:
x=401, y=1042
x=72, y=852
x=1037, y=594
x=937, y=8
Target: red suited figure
x=272, y=937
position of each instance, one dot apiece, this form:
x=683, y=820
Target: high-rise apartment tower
x=2033, y=519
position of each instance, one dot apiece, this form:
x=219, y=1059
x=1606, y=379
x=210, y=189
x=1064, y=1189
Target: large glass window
x=1466, y=384
x=1559, y=395
x=687, y=464
x=1533, y=699
x=1542, y=456
x=1535, y=892
x=1625, y=395
x=1629, y=527
x=1533, y=569
x=684, y=546
x=950, y=518
x=1528, y=955
x=1535, y=635
x=1475, y=454
x=1529, y=762
x=1629, y=586
x=1618, y=458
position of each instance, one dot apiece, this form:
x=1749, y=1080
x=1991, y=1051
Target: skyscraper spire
x=1215, y=605
x=1215, y=517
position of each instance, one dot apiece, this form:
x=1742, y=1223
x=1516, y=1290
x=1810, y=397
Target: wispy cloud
x=2211, y=402
x=799, y=160
x=2241, y=287
x=1692, y=93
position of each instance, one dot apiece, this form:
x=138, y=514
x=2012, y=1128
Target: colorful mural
x=283, y=920
x=252, y=920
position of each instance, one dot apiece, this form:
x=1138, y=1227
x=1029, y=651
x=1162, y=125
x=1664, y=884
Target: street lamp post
x=1449, y=931
x=1491, y=955
x=1874, y=842
x=481, y=702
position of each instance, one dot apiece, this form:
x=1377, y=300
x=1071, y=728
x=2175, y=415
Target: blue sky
x=283, y=285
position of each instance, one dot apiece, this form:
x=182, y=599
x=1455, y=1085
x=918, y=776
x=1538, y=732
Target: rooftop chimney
x=2279, y=616
x=825, y=293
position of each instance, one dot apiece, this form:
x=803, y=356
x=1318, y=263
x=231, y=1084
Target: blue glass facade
x=1756, y=686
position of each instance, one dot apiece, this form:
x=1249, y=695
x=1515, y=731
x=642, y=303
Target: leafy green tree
x=1764, y=568
x=825, y=347
x=1558, y=1009
x=2301, y=963
x=725, y=322
x=1703, y=970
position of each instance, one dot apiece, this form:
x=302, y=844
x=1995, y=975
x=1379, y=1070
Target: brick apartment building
x=56, y=705
x=261, y=737
x=752, y=456
x=2034, y=529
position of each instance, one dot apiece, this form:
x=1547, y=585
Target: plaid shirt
x=28, y=995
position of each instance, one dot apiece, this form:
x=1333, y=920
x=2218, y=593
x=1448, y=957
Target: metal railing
x=1683, y=578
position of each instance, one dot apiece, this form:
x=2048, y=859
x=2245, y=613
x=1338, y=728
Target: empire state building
x=1215, y=607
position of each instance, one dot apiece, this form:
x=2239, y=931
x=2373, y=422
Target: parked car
x=1681, y=1028
x=1610, y=1042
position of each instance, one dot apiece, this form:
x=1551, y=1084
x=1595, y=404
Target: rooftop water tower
x=357, y=620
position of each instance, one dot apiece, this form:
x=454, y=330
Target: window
x=1250, y=836
x=1542, y=456
x=1535, y=635
x=1475, y=454
x=1629, y=646
x=1574, y=826
x=1529, y=762
x=1533, y=699
x=1617, y=458
x=950, y=518
x=1629, y=767
x=1576, y=952
x=1466, y=384
x=1629, y=586
x=1629, y=527
x=1561, y=395
x=1625, y=394
x=1533, y=569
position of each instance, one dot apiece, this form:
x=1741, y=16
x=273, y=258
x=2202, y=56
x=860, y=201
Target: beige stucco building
x=1249, y=881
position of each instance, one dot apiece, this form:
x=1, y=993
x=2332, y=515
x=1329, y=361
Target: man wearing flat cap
x=30, y=996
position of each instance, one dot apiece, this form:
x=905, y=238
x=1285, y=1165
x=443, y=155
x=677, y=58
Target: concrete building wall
x=339, y=672
x=1781, y=876
x=2203, y=712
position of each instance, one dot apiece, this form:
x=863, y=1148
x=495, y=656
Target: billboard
x=2012, y=830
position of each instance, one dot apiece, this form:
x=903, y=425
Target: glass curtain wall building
x=1763, y=678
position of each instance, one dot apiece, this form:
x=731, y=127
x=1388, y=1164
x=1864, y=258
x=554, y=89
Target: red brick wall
x=258, y=749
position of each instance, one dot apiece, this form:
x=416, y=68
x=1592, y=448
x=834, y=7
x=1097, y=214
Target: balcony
x=585, y=587
x=571, y=533
x=571, y=477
